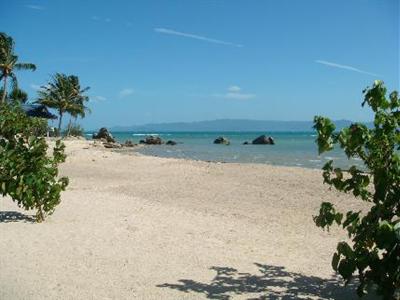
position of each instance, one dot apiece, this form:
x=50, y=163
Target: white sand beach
x=138, y=227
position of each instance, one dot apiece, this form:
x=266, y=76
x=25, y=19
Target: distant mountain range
x=228, y=125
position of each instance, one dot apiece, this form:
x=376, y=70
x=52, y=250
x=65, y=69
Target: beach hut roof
x=37, y=110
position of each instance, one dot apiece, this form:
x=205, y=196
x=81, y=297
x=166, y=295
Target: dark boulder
x=171, y=143
x=152, y=140
x=221, y=140
x=263, y=140
x=104, y=134
x=246, y=143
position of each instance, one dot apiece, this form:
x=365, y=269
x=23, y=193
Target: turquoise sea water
x=290, y=149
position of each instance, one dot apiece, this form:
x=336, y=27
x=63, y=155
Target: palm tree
x=9, y=63
x=78, y=107
x=17, y=96
x=64, y=94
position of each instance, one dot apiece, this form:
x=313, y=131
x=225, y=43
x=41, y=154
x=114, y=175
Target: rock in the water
x=171, y=143
x=104, y=134
x=246, y=143
x=263, y=140
x=221, y=140
x=152, y=140
x=128, y=143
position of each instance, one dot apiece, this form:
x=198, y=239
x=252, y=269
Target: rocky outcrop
x=104, y=134
x=152, y=140
x=263, y=140
x=221, y=140
x=171, y=143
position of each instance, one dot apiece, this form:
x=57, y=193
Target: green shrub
x=27, y=174
x=375, y=249
x=39, y=127
x=74, y=130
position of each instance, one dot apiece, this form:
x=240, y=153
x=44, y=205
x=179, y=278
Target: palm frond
x=25, y=66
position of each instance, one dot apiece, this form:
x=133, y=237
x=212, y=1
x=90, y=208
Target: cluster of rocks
x=109, y=142
x=152, y=140
x=155, y=140
x=104, y=136
x=261, y=140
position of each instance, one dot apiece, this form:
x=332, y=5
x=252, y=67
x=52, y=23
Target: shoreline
x=137, y=226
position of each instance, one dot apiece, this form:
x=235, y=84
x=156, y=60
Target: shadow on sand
x=14, y=216
x=273, y=282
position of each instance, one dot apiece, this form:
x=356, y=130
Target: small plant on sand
x=27, y=173
x=375, y=234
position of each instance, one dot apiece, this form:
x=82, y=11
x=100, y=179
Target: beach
x=132, y=226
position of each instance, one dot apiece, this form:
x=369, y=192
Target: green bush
x=39, y=127
x=27, y=174
x=375, y=249
x=74, y=130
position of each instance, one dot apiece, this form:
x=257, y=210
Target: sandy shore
x=137, y=227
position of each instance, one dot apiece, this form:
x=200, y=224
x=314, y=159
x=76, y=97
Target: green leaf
x=335, y=261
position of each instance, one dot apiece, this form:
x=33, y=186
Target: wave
x=144, y=134
x=148, y=134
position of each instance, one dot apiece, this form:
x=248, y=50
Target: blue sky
x=179, y=60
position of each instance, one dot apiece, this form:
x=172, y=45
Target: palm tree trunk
x=3, y=97
x=69, y=127
x=59, y=123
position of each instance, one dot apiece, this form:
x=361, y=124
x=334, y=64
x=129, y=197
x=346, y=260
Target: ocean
x=296, y=149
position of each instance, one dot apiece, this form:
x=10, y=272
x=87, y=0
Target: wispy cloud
x=34, y=86
x=100, y=19
x=234, y=89
x=32, y=6
x=125, y=92
x=96, y=99
x=195, y=36
x=345, y=67
x=234, y=93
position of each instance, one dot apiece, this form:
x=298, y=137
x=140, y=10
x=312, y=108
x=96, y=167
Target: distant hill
x=227, y=125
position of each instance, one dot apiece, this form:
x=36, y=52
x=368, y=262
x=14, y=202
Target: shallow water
x=290, y=149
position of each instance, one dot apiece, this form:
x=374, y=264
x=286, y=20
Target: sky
x=159, y=61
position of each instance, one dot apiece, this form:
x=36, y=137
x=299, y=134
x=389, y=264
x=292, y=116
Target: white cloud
x=234, y=93
x=97, y=99
x=194, y=36
x=36, y=7
x=345, y=67
x=34, y=86
x=239, y=96
x=125, y=92
x=100, y=19
x=234, y=89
